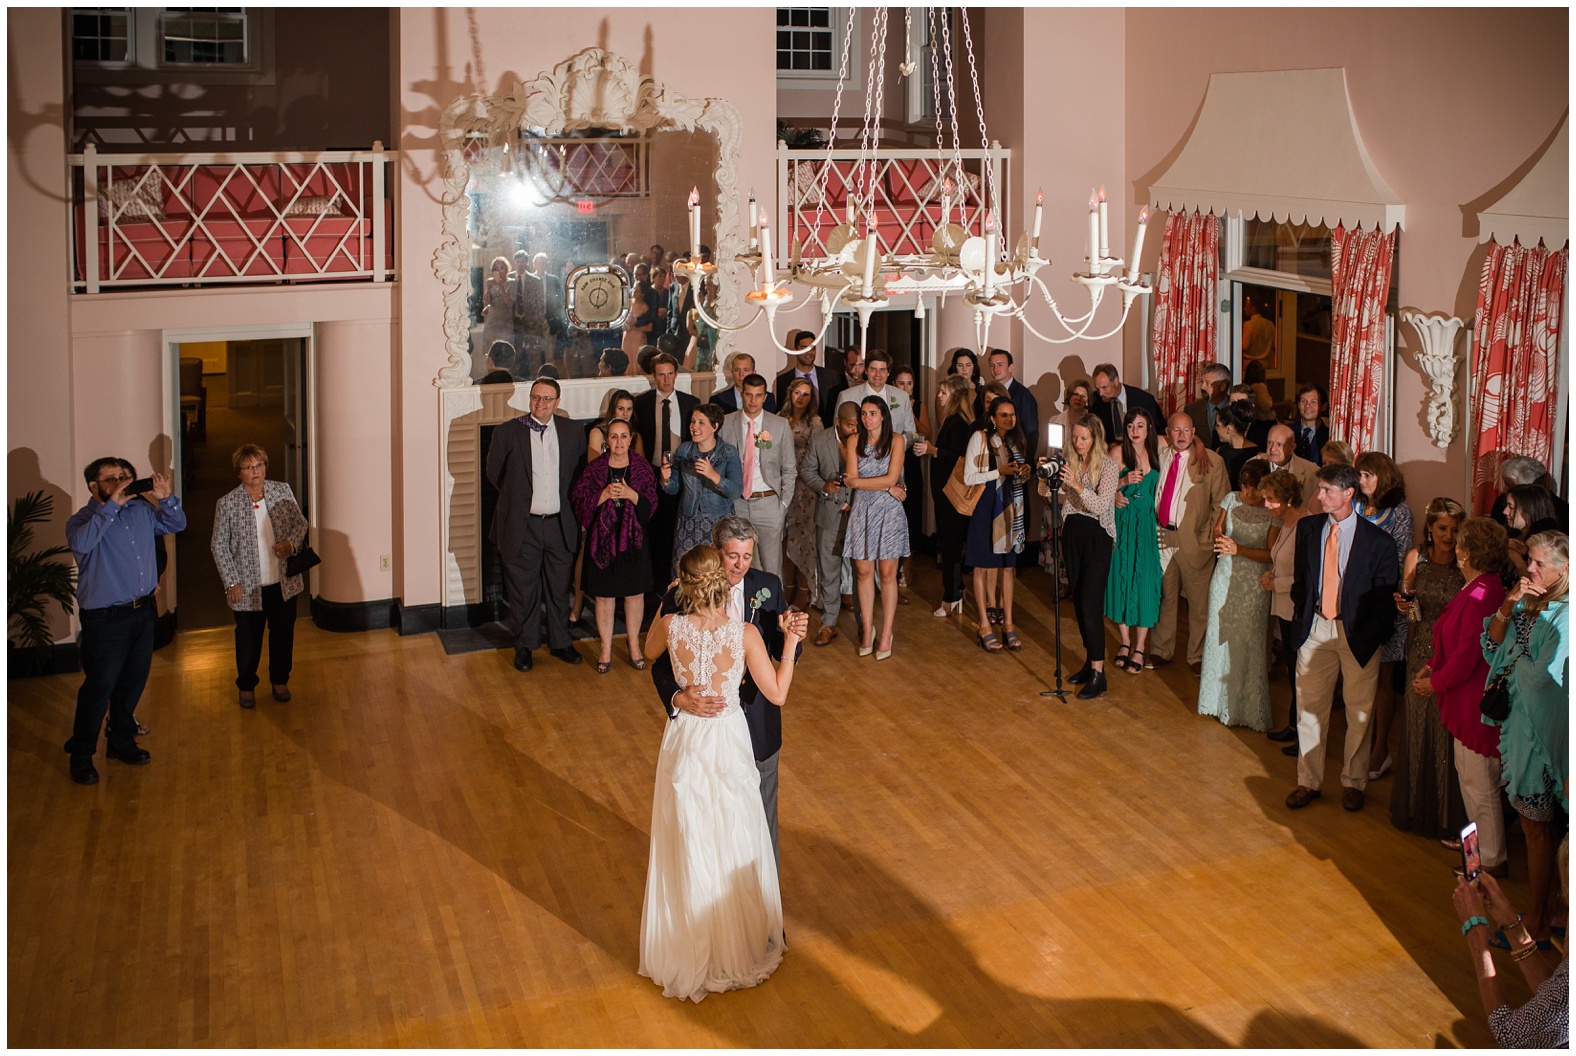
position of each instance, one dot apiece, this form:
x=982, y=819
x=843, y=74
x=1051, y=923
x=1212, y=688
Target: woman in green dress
x=1132, y=591
x=1234, y=685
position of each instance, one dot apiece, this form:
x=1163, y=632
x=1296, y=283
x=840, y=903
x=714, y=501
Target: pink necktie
x=1168, y=492
x=749, y=457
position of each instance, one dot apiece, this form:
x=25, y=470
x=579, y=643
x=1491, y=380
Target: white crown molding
x=594, y=89
x=1436, y=334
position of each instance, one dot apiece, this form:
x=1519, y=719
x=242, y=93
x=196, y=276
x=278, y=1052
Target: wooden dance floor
x=423, y=849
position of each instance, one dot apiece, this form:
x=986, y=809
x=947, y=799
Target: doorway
x=247, y=390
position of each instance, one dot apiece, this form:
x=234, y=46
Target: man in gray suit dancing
x=765, y=444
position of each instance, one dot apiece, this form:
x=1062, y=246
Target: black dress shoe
x=522, y=659
x=568, y=655
x=82, y=772
x=1290, y=749
x=1288, y=734
x=130, y=754
x=1083, y=675
x=1095, y=688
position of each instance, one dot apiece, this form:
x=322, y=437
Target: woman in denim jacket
x=712, y=476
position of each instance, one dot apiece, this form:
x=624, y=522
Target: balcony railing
x=908, y=189
x=141, y=220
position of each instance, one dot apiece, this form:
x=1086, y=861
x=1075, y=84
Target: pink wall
x=444, y=54
x=1450, y=103
x=38, y=363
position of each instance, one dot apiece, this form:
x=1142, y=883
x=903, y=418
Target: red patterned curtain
x=1515, y=370
x=1185, y=313
x=1360, y=285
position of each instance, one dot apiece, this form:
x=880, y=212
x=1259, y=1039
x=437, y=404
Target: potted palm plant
x=32, y=581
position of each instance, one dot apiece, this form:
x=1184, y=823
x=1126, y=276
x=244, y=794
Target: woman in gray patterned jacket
x=255, y=528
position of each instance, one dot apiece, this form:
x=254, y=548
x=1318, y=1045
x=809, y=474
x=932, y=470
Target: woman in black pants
x=1088, y=531
x=952, y=528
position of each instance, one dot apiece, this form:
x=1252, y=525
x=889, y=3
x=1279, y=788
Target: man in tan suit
x=1193, y=483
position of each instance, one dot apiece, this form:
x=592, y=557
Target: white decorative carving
x=1437, y=356
x=594, y=89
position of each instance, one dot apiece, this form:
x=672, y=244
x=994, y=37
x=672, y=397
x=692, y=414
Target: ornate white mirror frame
x=594, y=89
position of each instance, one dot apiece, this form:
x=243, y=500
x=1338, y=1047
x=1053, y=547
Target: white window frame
x=825, y=78
x=1235, y=275
x=147, y=65
x=919, y=102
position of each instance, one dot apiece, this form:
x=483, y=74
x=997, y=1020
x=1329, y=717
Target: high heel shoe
x=866, y=650
x=948, y=608
x=1384, y=768
x=882, y=654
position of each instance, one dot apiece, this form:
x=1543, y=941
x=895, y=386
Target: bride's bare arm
x=773, y=683
x=657, y=637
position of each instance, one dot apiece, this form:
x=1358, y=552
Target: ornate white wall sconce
x=1437, y=356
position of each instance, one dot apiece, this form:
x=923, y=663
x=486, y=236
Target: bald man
x=1193, y=484
x=1279, y=451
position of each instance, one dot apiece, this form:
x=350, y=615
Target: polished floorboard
x=424, y=849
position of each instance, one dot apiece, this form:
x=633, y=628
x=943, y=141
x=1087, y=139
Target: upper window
x=1295, y=249
x=203, y=35
x=101, y=34
x=805, y=39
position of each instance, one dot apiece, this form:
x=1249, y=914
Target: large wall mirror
x=564, y=211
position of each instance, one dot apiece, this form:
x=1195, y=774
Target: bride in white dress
x=713, y=917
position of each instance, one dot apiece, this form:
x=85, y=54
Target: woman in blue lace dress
x=877, y=526
x=1234, y=685
x=1382, y=500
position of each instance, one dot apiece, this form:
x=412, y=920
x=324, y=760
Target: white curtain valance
x=1539, y=205
x=1281, y=145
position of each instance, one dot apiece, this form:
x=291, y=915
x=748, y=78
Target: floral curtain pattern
x=1514, y=375
x=1360, y=285
x=1185, y=313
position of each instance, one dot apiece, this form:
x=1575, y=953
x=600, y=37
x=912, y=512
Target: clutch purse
x=302, y=560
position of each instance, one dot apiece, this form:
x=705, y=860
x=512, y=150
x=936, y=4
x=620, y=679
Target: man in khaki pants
x=1193, y=484
x=1343, y=588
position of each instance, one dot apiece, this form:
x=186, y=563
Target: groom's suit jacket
x=764, y=717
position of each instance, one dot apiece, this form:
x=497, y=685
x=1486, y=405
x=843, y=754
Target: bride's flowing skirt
x=713, y=917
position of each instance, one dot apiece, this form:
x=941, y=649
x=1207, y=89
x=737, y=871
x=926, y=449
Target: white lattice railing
x=907, y=190
x=230, y=219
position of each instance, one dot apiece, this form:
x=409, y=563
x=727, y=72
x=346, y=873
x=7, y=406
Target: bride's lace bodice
x=712, y=659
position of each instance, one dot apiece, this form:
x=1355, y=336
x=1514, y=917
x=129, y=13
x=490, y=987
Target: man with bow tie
x=532, y=461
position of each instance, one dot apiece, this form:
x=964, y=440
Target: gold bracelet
x=1524, y=953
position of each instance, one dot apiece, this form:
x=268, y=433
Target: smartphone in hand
x=140, y=486
x=1471, y=859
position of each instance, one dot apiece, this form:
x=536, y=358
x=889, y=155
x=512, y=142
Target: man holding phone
x=113, y=541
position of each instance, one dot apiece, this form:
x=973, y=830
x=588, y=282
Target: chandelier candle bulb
x=1039, y=207
x=990, y=257
x=694, y=209
x=1094, y=236
x=766, y=255
x=870, y=260
x=754, y=232
x=1138, y=244
x=1105, y=228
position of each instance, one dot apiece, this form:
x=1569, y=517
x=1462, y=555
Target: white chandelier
x=856, y=273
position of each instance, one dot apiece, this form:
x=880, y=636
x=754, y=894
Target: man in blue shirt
x=112, y=539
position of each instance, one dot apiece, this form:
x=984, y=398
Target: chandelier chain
x=824, y=179
x=993, y=205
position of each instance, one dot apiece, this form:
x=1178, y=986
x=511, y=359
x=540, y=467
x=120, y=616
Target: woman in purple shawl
x=613, y=499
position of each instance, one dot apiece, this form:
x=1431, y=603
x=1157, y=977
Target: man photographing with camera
x=112, y=539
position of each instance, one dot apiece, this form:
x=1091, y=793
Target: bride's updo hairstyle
x=703, y=584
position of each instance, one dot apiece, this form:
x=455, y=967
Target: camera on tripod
x=1049, y=469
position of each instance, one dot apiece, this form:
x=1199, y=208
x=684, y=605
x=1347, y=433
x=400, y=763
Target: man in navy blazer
x=1023, y=401
x=757, y=597
x=1343, y=589
x=827, y=383
x=740, y=366
x=532, y=461
x=1113, y=400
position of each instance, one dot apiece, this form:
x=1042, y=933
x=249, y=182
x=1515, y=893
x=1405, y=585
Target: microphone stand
x=1056, y=586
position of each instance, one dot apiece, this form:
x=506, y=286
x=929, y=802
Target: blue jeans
x=116, y=646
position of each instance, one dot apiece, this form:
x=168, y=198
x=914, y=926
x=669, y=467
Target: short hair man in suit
x=756, y=597
x=765, y=444
x=1312, y=431
x=532, y=461
x=825, y=383
x=821, y=470
x=1215, y=386
x=740, y=366
x=1279, y=452
x=500, y=365
x=1028, y=408
x=1343, y=590
x=1193, y=484
x=662, y=415
x=1113, y=400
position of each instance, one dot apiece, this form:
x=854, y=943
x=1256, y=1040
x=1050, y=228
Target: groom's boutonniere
x=763, y=439
x=761, y=597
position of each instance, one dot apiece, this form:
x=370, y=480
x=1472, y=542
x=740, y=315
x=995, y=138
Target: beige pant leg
x=1317, y=669
x=1195, y=585
x=1480, y=792
x=1360, y=682
x=1162, y=640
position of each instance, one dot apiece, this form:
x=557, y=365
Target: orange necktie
x=1330, y=576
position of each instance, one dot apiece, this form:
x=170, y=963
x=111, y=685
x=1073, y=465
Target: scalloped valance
x=1281, y=145
x=1538, y=207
